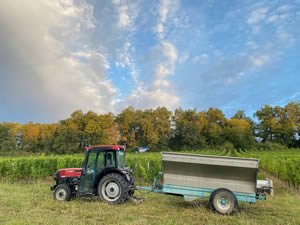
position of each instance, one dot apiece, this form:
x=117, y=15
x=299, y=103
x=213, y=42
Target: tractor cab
x=103, y=173
x=99, y=161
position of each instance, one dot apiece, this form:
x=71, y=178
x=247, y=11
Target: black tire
x=62, y=192
x=132, y=187
x=113, y=189
x=130, y=193
x=223, y=201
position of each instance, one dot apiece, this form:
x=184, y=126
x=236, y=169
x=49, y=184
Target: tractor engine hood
x=72, y=172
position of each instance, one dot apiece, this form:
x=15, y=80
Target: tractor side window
x=91, y=164
x=121, y=159
x=110, y=159
x=100, y=162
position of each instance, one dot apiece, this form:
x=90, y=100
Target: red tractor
x=103, y=174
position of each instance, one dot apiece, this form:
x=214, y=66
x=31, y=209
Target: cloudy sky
x=57, y=56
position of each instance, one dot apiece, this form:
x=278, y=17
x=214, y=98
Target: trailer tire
x=113, y=189
x=223, y=201
x=62, y=192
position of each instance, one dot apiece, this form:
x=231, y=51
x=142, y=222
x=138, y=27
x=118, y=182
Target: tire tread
x=232, y=196
x=67, y=189
x=124, y=188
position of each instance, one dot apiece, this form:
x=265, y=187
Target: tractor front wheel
x=113, y=189
x=62, y=192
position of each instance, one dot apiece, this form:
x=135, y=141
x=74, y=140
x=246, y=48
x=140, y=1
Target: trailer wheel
x=113, y=189
x=62, y=192
x=223, y=201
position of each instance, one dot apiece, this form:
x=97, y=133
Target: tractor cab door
x=94, y=163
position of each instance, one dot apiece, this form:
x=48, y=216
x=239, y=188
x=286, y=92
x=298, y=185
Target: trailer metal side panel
x=212, y=172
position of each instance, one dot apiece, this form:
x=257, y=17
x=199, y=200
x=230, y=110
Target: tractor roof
x=107, y=147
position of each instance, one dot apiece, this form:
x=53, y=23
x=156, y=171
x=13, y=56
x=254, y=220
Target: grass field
x=32, y=203
x=28, y=199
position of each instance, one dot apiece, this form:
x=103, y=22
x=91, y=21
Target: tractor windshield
x=121, y=159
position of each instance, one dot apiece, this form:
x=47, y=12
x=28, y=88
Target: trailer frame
x=192, y=193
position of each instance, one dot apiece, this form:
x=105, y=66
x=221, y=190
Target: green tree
x=67, y=138
x=190, y=128
x=128, y=125
x=216, y=122
x=30, y=136
x=7, y=140
x=293, y=111
x=279, y=124
x=267, y=123
x=239, y=133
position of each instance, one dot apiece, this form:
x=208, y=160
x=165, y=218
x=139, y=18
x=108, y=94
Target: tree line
x=159, y=129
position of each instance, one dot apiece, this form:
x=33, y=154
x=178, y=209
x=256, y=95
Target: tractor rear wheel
x=62, y=192
x=223, y=201
x=113, y=189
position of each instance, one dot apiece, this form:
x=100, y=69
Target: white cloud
x=158, y=92
x=284, y=36
x=284, y=8
x=125, y=59
x=252, y=45
x=169, y=51
x=283, y=16
x=161, y=71
x=116, y=2
x=257, y=15
x=168, y=58
x=127, y=13
x=63, y=80
x=218, y=52
x=159, y=29
x=124, y=17
x=203, y=58
x=161, y=83
x=164, y=9
x=167, y=11
x=196, y=59
x=153, y=98
x=272, y=18
x=259, y=60
x=183, y=57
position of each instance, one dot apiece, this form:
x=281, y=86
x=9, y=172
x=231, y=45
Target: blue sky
x=57, y=56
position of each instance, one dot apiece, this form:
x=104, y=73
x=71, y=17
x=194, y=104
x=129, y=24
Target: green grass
x=32, y=203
